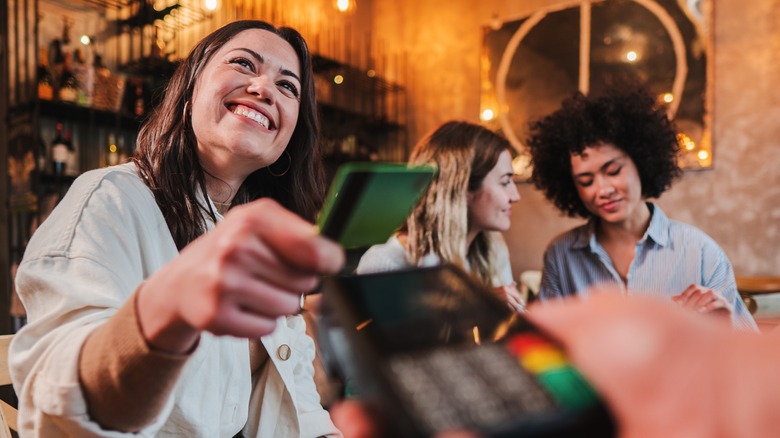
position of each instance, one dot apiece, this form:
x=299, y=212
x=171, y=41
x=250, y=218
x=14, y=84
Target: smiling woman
x=256, y=102
x=142, y=321
x=240, y=71
x=619, y=150
x=459, y=217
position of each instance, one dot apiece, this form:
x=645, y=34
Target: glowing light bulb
x=211, y=5
x=668, y=97
x=703, y=155
x=686, y=142
x=338, y=79
x=631, y=56
x=342, y=5
x=487, y=114
x=85, y=39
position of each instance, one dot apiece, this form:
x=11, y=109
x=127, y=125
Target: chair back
x=7, y=412
x=529, y=285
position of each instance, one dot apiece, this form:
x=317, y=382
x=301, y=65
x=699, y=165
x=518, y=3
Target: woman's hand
x=704, y=300
x=659, y=369
x=236, y=279
x=511, y=296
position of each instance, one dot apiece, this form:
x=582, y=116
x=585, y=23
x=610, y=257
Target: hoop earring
x=284, y=172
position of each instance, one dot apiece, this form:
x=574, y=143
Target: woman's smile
x=256, y=115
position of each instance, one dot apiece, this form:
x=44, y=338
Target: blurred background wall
x=737, y=202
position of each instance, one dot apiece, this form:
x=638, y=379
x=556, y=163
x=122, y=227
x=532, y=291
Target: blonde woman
x=459, y=218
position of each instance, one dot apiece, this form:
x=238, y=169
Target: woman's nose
x=514, y=195
x=605, y=188
x=261, y=87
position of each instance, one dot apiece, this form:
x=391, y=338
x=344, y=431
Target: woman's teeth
x=250, y=114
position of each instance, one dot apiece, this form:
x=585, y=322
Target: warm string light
x=487, y=115
x=689, y=147
x=686, y=142
x=345, y=5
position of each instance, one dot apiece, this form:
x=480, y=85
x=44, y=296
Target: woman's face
x=490, y=206
x=245, y=104
x=608, y=183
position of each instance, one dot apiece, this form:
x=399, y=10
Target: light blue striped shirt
x=670, y=257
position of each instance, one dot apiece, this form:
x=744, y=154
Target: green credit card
x=369, y=201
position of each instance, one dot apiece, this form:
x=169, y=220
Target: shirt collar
x=657, y=230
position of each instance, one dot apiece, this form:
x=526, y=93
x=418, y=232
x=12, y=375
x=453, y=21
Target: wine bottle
x=43, y=156
x=69, y=85
x=121, y=149
x=59, y=152
x=44, y=76
x=73, y=165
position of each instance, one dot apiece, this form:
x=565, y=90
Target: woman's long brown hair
x=167, y=159
x=464, y=154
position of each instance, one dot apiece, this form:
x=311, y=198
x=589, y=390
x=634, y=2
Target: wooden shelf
x=73, y=112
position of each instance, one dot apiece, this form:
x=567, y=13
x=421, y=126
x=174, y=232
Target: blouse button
x=284, y=352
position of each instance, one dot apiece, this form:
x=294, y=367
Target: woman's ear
x=471, y=197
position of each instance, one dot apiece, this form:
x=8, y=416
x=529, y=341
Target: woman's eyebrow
x=261, y=60
x=603, y=167
x=609, y=163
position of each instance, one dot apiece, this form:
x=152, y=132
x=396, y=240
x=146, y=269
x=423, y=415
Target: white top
x=104, y=238
x=392, y=256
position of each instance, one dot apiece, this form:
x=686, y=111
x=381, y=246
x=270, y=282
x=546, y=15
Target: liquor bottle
x=59, y=152
x=140, y=106
x=45, y=76
x=112, y=152
x=69, y=85
x=85, y=77
x=57, y=62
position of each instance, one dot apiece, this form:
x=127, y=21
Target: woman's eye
x=243, y=62
x=289, y=88
x=585, y=183
x=614, y=172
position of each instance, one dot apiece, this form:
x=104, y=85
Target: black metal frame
x=5, y=275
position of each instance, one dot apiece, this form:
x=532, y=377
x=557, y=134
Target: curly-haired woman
x=601, y=158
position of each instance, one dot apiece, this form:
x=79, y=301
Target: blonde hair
x=464, y=154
